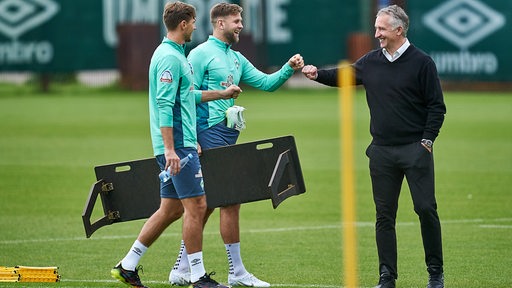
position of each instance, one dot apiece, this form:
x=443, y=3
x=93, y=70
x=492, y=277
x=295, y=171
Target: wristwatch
x=427, y=142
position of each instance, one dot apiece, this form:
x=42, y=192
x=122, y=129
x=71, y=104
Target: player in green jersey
x=217, y=66
x=173, y=133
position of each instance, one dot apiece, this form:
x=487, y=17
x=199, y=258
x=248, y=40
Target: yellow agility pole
x=346, y=83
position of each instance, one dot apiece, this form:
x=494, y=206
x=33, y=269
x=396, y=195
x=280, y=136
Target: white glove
x=235, y=118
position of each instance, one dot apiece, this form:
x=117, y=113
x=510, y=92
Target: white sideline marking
x=163, y=282
x=496, y=226
x=270, y=230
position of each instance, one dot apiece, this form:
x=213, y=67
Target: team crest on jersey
x=230, y=81
x=166, y=77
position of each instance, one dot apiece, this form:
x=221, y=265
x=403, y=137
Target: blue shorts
x=217, y=136
x=188, y=183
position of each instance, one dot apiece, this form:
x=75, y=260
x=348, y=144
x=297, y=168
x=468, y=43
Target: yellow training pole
x=348, y=203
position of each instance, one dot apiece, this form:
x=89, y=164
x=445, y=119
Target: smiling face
x=390, y=37
x=230, y=27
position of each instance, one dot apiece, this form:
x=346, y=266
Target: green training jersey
x=216, y=66
x=171, y=99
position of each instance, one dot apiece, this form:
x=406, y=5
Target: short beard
x=232, y=39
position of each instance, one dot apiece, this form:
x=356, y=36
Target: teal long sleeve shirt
x=216, y=67
x=171, y=97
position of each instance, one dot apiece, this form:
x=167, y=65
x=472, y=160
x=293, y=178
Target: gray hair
x=398, y=17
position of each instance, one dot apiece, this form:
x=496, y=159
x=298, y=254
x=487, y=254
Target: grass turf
x=50, y=143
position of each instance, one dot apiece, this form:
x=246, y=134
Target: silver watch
x=427, y=142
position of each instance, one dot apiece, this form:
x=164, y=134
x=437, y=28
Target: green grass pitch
x=49, y=145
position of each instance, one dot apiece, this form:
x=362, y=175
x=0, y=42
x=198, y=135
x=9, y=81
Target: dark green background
x=320, y=31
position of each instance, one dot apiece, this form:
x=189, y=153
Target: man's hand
x=231, y=92
x=427, y=144
x=296, y=62
x=199, y=149
x=172, y=161
x=310, y=71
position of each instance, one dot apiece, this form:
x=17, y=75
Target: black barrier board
x=128, y=191
x=241, y=173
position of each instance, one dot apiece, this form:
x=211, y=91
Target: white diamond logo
x=464, y=22
x=19, y=16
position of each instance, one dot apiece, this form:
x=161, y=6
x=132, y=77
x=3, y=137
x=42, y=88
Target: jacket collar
x=179, y=47
x=223, y=45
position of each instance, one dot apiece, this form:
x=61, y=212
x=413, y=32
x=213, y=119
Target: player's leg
x=230, y=232
x=195, y=210
x=189, y=187
x=180, y=272
x=229, y=223
x=169, y=211
x=193, y=219
x=126, y=270
x=218, y=136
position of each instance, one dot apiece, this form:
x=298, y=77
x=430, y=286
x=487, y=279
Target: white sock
x=236, y=266
x=181, y=264
x=197, y=270
x=131, y=259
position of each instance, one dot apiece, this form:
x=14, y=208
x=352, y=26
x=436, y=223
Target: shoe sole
x=182, y=282
x=244, y=285
x=116, y=274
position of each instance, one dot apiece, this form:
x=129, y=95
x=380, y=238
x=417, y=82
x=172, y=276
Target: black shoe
x=436, y=281
x=207, y=282
x=386, y=281
x=126, y=276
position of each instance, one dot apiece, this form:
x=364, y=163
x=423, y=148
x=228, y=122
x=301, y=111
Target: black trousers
x=388, y=166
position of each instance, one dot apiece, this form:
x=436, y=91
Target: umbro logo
x=195, y=262
x=137, y=251
x=464, y=22
x=20, y=16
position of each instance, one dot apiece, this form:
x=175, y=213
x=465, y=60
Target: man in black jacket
x=407, y=111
